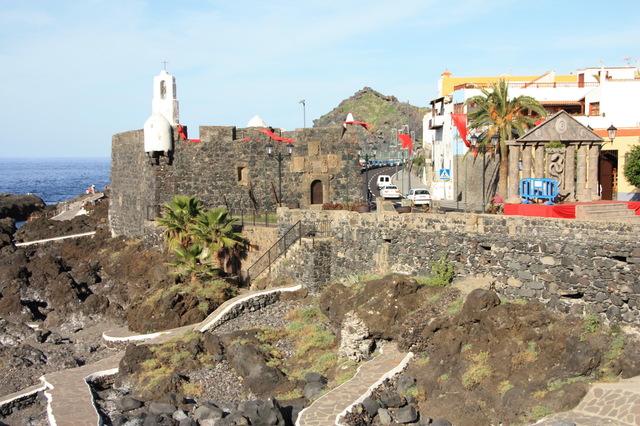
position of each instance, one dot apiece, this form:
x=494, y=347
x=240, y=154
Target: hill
x=383, y=112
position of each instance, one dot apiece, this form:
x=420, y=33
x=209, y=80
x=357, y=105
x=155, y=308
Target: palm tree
x=498, y=114
x=189, y=261
x=214, y=230
x=179, y=216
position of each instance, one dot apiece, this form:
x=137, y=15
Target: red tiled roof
x=625, y=131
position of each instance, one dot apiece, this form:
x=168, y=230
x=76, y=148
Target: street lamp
x=279, y=157
x=367, y=156
x=611, y=132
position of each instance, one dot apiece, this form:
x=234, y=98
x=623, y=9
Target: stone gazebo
x=557, y=163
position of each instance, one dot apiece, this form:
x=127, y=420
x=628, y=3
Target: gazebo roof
x=560, y=127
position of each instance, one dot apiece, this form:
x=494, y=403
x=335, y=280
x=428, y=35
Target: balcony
x=436, y=121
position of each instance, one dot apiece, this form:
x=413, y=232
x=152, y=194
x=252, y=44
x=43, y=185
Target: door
x=316, y=192
x=607, y=174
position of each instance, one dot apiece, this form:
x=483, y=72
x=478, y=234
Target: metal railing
x=525, y=85
x=255, y=218
x=280, y=247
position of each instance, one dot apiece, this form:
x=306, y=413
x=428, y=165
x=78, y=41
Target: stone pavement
x=605, y=404
x=328, y=409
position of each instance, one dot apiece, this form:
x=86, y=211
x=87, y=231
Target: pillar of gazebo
x=513, y=195
x=592, y=173
x=539, y=164
x=581, y=176
x=569, y=173
x=526, y=162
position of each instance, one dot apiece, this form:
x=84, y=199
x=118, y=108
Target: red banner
x=460, y=121
x=274, y=136
x=406, y=142
x=366, y=126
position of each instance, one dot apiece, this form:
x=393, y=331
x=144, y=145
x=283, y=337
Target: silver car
x=419, y=196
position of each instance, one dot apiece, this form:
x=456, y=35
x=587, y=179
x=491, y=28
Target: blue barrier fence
x=538, y=188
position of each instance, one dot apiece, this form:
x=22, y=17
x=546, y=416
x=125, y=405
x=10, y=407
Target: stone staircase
x=614, y=212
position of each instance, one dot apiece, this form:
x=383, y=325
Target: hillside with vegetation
x=384, y=113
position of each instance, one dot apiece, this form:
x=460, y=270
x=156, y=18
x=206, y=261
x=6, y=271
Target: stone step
x=606, y=212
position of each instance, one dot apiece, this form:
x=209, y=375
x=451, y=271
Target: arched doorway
x=316, y=192
x=608, y=174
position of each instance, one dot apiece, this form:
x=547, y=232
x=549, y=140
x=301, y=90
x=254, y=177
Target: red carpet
x=563, y=210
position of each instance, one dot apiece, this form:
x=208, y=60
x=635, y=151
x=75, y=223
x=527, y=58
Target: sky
x=75, y=72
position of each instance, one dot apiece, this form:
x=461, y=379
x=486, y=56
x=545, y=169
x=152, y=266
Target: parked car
x=390, y=191
x=419, y=196
x=383, y=180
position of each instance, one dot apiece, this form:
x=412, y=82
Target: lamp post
x=367, y=156
x=611, y=132
x=304, y=113
x=279, y=157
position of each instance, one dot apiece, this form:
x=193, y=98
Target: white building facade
x=596, y=97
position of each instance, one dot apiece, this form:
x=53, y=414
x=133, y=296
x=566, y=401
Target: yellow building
x=448, y=84
x=613, y=157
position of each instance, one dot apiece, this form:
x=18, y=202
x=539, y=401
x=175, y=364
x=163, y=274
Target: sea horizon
x=54, y=179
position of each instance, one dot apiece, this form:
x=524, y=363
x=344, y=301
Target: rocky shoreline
x=479, y=361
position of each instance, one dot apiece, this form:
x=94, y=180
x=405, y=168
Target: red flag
x=183, y=135
x=366, y=126
x=460, y=121
x=406, y=142
x=274, y=136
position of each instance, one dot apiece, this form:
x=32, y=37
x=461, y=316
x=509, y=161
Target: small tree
x=632, y=166
x=196, y=235
x=214, y=230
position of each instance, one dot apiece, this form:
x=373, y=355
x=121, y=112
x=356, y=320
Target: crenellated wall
x=229, y=168
x=568, y=264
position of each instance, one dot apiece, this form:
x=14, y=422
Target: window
x=242, y=174
x=163, y=89
x=594, y=108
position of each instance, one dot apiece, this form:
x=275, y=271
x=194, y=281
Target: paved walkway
x=328, y=409
x=605, y=404
x=75, y=208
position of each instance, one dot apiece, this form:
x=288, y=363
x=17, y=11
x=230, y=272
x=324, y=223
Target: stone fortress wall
x=227, y=170
x=571, y=265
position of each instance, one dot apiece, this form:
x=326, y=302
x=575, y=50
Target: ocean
x=53, y=179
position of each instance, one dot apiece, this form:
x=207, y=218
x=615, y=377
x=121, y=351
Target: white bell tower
x=158, y=139
x=164, y=97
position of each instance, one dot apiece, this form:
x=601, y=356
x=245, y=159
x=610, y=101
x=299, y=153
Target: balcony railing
x=526, y=85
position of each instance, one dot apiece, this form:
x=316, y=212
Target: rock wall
x=568, y=264
x=230, y=168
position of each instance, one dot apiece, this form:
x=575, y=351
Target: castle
x=227, y=167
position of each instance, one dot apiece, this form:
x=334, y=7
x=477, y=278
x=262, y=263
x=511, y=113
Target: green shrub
x=632, y=166
x=442, y=271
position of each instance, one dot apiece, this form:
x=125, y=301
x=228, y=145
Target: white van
x=383, y=180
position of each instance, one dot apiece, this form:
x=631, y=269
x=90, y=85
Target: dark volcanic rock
x=19, y=207
x=7, y=229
